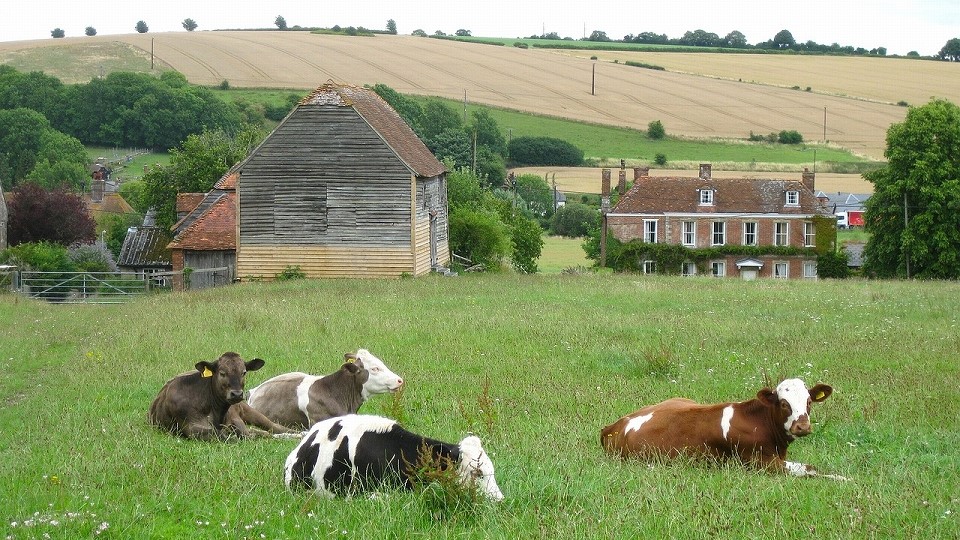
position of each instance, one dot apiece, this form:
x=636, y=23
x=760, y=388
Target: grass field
x=535, y=365
x=560, y=84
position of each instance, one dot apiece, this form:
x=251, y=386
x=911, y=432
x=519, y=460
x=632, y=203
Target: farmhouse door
x=748, y=274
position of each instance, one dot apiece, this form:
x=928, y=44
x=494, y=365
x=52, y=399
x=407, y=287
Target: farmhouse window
x=793, y=198
x=689, y=269
x=781, y=270
x=649, y=267
x=706, y=196
x=809, y=234
x=689, y=233
x=718, y=268
x=781, y=231
x=810, y=269
x=749, y=233
x=650, y=231
x=719, y=233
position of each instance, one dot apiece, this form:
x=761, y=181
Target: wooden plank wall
x=265, y=262
x=199, y=260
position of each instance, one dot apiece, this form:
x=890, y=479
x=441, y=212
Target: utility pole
x=824, y=124
x=464, y=105
x=593, y=81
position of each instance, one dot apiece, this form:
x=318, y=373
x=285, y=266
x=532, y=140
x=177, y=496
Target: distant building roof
x=840, y=201
x=112, y=203
x=145, y=247
x=382, y=118
x=680, y=194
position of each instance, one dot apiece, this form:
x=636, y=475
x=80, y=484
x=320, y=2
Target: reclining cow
x=756, y=432
x=204, y=404
x=356, y=453
x=298, y=400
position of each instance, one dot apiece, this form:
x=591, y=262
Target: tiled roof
x=186, y=202
x=660, y=194
x=213, y=229
x=382, y=118
x=145, y=247
x=112, y=203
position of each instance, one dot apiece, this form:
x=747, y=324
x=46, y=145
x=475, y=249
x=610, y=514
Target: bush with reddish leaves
x=58, y=216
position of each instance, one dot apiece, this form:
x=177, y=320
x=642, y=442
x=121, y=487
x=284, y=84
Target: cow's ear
x=768, y=397
x=820, y=392
x=351, y=367
x=206, y=369
x=254, y=364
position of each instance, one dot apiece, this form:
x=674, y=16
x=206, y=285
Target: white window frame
x=649, y=267
x=706, y=197
x=756, y=228
x=781, y=238
x=810, y=269
x=809, y=234
x=792, y=198
x=781, y=269
x=718, y=265
x=722, y=233
x=689, y=233
x=688, y=269
x=650, y=231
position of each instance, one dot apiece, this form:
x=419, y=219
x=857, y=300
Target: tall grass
x=535, y=365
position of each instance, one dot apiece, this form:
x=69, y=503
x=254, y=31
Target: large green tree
x=914, y=213
x=195, y=167
x=950, y=51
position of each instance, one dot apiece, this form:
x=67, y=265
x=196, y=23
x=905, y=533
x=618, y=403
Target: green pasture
x=560, y=253
x=535, y=365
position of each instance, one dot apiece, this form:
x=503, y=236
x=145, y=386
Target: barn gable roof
x=384, y=120
x=672, y=194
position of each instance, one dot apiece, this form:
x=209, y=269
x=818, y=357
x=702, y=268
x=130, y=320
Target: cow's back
x=174, y=404
x=674, y=426
x=282, y=398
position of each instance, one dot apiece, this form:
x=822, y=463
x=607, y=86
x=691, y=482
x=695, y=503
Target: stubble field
x=856, y=107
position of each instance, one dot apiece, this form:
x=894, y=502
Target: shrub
x=527, y=241
x=544, y=151
x=655, y=130
x=520, y=45
x=790, y=137
x=574, y=220
x=660, y=159
x=833, y=265
x=290, y=273
x=95, y=257
x=480, y=236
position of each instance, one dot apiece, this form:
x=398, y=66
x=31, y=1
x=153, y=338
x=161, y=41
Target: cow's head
x=791, y=402
x=228, y=375
x=381, y=379
x=475, y=468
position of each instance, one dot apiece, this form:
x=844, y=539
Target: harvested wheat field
x=588, y=180
x=539, y=81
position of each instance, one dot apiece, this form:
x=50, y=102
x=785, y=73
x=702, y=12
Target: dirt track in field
x=567, y=85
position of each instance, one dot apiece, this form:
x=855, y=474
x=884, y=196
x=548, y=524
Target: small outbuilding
x=343, y=187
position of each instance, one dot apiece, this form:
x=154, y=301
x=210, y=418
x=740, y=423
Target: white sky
x=899, y=25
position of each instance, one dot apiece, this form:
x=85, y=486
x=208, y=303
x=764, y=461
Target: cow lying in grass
x=356, y=453
x=756, y=431
x=298, y=400
x=199, y=404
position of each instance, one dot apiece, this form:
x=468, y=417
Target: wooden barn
x=341, y=188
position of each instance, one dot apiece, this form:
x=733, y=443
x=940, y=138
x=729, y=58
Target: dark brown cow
x=756, y=431
x=195, y=404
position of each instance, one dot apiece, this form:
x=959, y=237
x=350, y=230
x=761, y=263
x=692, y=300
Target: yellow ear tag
x=207, y=372
x=351, y=360
x=820, y=396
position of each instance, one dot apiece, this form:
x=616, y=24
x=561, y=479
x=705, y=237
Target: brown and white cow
x=756, y=431
x=198, y=404
x=299, y=400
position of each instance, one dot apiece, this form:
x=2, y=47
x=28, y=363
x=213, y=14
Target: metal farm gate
x=111, y=287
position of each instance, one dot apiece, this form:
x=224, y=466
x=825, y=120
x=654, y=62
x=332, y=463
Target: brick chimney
x=808, y=179
x=705, y=171
x=622, y=182
x=96, y=190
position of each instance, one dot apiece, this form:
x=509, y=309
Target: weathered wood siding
x=200, y=260
x=324, y=180
x=265, y=262
x=431, y=199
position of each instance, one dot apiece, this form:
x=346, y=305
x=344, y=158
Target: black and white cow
x=298, y=400
x=355, y=453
